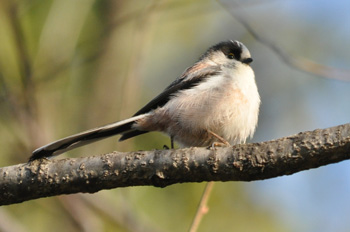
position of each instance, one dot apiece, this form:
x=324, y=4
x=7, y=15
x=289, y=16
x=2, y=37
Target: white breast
x=241, y=105
x=227, y=104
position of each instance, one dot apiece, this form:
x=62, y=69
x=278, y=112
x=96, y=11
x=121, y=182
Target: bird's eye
x=231, y=56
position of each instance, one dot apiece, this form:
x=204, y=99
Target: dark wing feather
x=191, y=77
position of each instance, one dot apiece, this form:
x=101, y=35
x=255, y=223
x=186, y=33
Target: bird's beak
x=247, y=61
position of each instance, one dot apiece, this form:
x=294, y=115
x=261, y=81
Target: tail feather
x=130, y=134
x=83, y=138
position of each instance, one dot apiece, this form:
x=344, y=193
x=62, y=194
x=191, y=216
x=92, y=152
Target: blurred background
x=67, y=66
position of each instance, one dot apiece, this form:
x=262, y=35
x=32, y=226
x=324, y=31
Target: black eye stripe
x=237, y=54
x=234, y=55
x=231, y=49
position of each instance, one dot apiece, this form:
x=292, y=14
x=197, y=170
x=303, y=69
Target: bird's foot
x=221, y=143
x=218, y=144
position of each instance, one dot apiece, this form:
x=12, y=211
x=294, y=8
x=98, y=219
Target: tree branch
x=160, y=168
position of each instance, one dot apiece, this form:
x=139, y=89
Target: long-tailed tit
x=215, y=100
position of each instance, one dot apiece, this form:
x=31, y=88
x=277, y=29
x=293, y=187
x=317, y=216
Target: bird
x=214, y=101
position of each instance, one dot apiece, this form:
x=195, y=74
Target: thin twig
x=300, y=63
x=202, y=207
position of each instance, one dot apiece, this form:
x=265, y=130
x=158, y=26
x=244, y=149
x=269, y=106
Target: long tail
x=87, y=137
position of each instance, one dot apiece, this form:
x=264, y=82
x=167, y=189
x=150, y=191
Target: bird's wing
x=191, y=77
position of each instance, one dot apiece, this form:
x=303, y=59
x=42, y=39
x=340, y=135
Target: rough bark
x=160, y=168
